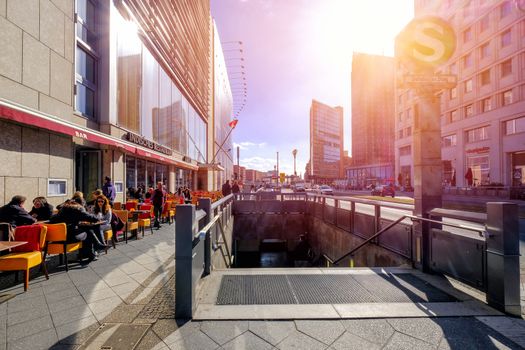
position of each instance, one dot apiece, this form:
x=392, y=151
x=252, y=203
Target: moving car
x=384, y=190
x=300, y=188
x=326, y=190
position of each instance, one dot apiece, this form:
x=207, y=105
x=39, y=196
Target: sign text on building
x=141, y=141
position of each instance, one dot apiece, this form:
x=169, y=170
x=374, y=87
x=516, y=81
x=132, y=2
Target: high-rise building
x=90, y=89
x=326, y=143
x=372, y=120
x=483, y=117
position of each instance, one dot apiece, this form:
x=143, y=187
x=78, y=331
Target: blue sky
x=296, y=51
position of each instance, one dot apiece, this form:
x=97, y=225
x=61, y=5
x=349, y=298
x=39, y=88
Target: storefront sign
x=478, y=150
x=139, y=140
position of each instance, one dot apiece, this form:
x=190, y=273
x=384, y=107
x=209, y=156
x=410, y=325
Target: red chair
x=131, y=205
x=145, y=219
x=147, y=201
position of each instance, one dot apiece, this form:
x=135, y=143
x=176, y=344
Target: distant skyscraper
x=372, y=120
x=326, y=143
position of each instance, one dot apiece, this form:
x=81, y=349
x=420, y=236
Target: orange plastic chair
x=129, y=225
x=23, y=261
x=117, y=206
x=145, y=218
x=56, y=243
x=167, y=212
x=108, y=236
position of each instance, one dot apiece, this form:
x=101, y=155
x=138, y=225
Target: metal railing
x=351, y=253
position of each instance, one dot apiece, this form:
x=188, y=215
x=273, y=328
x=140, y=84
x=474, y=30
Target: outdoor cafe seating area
x=31, y=246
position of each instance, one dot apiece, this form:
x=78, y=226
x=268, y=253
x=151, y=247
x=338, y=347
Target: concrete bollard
x=185, y=229
x=503, y=265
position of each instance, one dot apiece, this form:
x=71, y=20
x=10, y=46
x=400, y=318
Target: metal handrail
x=202, y=233
x=482, y=233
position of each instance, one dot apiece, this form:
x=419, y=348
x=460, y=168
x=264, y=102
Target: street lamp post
x=294, y=153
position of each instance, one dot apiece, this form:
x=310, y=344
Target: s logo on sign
x=426, y=41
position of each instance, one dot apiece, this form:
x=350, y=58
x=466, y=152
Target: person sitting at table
x=15, y=214
x=102, y=211
x=90, y=205
x=73, y=214
x=41, y=210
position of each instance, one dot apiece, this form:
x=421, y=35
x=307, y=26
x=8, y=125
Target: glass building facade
x=148, y=101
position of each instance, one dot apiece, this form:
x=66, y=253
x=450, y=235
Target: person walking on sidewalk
x=157, y=199
x=108, y=190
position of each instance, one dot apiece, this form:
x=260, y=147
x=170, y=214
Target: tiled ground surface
x=135, y=284
x=65, y=309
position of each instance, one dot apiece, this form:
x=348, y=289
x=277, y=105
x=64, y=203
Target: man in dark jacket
x=157, y=199
x=109, y=190
x=235, y=188
x=73, y=214
x=15, y=214
x=226, y=188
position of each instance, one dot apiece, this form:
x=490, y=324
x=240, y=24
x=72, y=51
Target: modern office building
x=326, y=143
x=483, y=117
x=105, y=88
x=372, y=120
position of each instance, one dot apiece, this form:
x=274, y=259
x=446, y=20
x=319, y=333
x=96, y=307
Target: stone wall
x=335, y=242
x=37, y=57
x=28, y=158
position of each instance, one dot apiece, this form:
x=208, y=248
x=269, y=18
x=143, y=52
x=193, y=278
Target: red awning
x=48, y=123
x=43, y=121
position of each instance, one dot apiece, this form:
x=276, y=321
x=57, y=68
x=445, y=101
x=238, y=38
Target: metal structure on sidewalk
x=478, y=249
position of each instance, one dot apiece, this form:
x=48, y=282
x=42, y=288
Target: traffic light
x=282, y=177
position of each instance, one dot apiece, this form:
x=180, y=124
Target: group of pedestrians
x=74, y=212
x=228, y=189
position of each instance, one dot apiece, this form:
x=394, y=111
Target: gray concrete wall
x=267, y=225
x=335, y=242
x=29, y=157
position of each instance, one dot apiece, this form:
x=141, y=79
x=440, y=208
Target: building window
x=400, y=99
x=405, y=151
x=480, y=169
x=484, y=50
x=86, y=61
x=515, y=126
x=507, y=97
x=56, y=187
x=467, y=60
x=506, y=38
x=478, y=134
x=468, y=85
x=453, y=93
x=486, y=104
x=408, y=131
x=469, y=111
x=400, y=117
x=467, y=35
x=505, y=9
x=400, y=134
x=454, y=116
x=484, y=23
x=449, y=140
x=485, y=77
x=453, y=68
x=506, y=68
x=409, y=115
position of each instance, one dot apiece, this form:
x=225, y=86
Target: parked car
x=300, y=188
x=325, y=189
x=384, y=190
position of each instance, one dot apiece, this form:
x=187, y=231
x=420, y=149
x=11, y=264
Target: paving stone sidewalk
x=135, y=285
x=65, y=310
